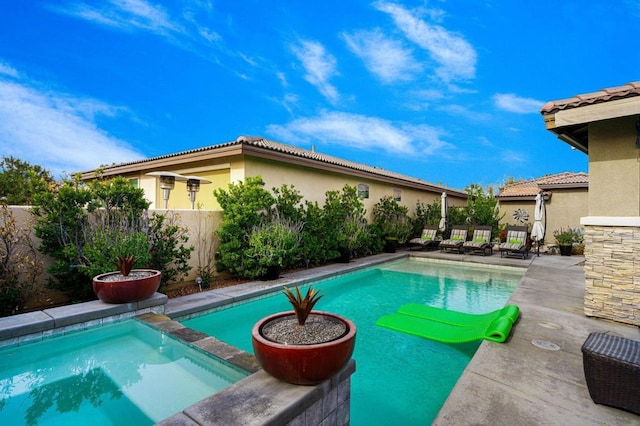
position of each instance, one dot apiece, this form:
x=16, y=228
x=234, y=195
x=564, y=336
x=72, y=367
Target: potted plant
x=271, y=244
x=124, y=248
x=391, y=220
x=351, y=237
x=303, y=347
x=566, y=238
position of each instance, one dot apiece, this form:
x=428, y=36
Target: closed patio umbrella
x=443, y=212
x=537, y=233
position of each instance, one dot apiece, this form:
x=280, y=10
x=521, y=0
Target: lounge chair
x=427, y=240
x=516, y=242
x=456, y=239
x=480, y=242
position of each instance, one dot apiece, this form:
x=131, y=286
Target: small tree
x=168, y=251
x=244, y=205
x=20, y=181
x=19, y=263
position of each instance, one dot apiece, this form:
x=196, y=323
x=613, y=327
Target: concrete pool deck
x=515, y=382
x=519, y=383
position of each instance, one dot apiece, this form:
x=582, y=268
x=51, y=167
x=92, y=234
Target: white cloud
x=363, y=132
x=57, y=131
x=124, y=15
x=513, y=103
x=319, y=66
x=455, y=56
x=463, y=111
x=509, y=156
x=8, y=70
x=388, y=59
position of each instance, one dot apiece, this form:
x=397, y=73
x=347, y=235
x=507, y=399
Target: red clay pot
x=303, y=364
x=132, y=289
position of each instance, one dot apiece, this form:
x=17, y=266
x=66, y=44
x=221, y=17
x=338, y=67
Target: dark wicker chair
x=612, y=370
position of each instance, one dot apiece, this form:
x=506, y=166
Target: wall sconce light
x=193, y=186
x=167, y=183
x=638, y=132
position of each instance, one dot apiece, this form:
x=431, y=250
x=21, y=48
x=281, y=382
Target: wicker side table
x=612, y=370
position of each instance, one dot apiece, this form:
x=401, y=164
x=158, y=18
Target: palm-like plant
x=302, y=306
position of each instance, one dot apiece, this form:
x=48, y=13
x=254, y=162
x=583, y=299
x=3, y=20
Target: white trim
x=611, y=221
x=596, y=112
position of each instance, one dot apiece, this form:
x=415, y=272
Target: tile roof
x=612, y=93
x=529, y=188
x=260, y=142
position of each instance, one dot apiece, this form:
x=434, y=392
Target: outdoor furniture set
x=480, y=242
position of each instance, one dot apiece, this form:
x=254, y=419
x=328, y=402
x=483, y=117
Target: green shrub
x=168, y=251
x=84, y=227
x=391, y=219
x=19, y=265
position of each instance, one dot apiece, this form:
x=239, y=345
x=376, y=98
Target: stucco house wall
x=566, y=201
x=315, y=183
x=614, y=167
x=606, y=126
x=313, y=174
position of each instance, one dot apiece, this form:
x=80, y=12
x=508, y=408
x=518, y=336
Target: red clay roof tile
x=612, y=93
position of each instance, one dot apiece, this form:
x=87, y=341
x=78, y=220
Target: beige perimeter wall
x=564, y=209
x=200, y=225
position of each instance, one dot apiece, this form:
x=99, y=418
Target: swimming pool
x=399, y=378
x=124, y=373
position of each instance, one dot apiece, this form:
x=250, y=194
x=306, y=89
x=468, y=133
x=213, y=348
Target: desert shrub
x=245, y=205
x=274, y=242
x=168, y=251
x=425, y=214
x=391, y=219
x=85, y=226
x=19, y=264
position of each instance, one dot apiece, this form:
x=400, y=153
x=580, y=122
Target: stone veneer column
x=612, y=272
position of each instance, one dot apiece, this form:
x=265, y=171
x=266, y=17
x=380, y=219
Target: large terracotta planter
x=303, y=364
x=141, y=284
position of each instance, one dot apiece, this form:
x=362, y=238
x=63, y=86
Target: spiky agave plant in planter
x=127, y=284
x=303, y=347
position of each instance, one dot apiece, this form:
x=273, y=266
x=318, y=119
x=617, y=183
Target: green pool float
x=448, y=326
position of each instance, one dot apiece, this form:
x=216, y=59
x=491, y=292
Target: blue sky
x=446, y=91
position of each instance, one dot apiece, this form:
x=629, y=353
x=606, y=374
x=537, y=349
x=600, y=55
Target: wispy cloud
x=510, y=156
x=455, y=56
x=387, y=58
x=127, y=15
x=56, y=130
x=463, y=111
x=7, y=70
x=513, y=103
x=366, y=133
x=319, y=66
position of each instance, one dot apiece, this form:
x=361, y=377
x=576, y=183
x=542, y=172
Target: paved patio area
x=520, y=383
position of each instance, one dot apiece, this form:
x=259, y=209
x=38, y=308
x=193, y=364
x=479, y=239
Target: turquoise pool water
x=120, y=374
x=399, y=379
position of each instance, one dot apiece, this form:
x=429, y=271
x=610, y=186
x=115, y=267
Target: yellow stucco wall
x=179, y=196
x=313, y=184
x=564, y=209
x=614, y=168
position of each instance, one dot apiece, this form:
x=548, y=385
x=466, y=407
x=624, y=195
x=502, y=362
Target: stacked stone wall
x=612, y=273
